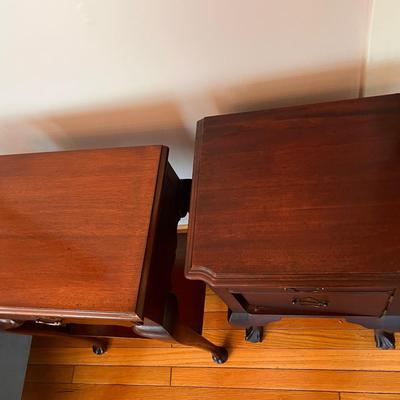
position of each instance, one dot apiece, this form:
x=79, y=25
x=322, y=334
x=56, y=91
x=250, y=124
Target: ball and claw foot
x=220, y=356
x=385, y=340
x=99, y=350
x=254, y=334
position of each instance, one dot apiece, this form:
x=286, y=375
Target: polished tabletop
x=304, y=190
x=74, y=228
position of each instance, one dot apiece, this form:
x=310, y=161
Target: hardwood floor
x=299, y=359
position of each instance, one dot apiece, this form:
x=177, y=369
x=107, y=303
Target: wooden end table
x=87, y=246
x=296, y=212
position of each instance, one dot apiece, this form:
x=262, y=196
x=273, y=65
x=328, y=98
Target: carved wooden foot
x=220, y=356
x=98, y=350
x=254, y=334
x=99, y=346
x=384, y=340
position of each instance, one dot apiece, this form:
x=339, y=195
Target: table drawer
x=363, y=303
x=7, y=323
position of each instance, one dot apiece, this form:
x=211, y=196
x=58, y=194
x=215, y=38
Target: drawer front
x=18, y=322
x=361, y=303
x=8, y=322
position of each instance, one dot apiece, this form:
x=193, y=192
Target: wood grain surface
x=112, y=392
x=256, y=357
x=122, y=375
x=310, y=190
x=74, y=227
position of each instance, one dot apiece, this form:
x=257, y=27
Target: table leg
x=99, y=345
x=173, y=330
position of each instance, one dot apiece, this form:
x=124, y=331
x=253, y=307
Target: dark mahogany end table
x=296, y=212
x=87, y=247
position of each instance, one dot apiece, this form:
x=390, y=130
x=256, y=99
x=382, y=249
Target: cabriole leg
x=173, y=330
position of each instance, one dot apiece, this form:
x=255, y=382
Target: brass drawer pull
x=310, y=302
x=57, y=322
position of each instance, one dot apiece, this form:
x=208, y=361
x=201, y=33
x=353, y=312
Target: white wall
x=382, y=73
x=100, y=73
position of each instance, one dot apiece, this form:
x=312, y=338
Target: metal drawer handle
x=49, y=323
x=310, y=302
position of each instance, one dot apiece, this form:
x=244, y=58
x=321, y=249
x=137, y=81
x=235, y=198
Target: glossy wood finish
x=296, y=212
x=110, y=392
x=310, y=191
x=87, y=247
x=75, y=226
x=299, y=380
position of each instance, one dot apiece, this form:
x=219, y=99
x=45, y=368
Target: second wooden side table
x=296, y=212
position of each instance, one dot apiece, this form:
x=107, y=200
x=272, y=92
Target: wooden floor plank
x=296, y=339
x=369, y=396
x=273, y=338
x=364, y=360
x=52, y=373
x=122, y=375
x=214, y=303
x=113, y=392
x=63, y=341
x=349, y=381
x=219, y=320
